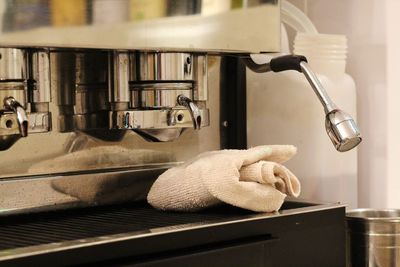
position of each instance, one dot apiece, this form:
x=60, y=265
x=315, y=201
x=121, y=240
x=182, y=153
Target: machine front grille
x=49, y=227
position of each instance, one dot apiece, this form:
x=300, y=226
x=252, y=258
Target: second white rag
x=251, y=179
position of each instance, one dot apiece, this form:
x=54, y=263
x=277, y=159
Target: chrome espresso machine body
x=59, y=102
x=157, y=94
x=98, y=98
x=93, y=107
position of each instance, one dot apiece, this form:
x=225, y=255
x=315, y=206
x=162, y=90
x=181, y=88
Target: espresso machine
x=98, y=98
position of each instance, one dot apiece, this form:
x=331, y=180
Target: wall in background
x=374, y=63
x=393, y=107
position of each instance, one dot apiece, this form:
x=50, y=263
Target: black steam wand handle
x=300, y=64
x=277, y=64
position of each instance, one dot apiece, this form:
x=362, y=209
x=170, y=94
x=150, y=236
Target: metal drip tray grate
x=51, y=227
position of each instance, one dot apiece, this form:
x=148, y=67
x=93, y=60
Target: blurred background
x=26, y=14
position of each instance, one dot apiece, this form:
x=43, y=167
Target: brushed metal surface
x=156, y=119
x=40, y=69
x=13, y=64
x=158, y=78
x=77, y=189
x=156, y=66
x=158, y=95
x=192, y=25
x=373, y=238
x=24, y=187
x=119, y=77
x=76, y=78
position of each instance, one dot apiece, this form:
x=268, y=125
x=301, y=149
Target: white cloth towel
x=251, y=179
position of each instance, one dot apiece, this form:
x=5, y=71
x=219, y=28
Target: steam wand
x=340, y=126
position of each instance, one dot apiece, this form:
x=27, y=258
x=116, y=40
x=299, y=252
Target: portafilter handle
x=11, y=103
x=193, y=109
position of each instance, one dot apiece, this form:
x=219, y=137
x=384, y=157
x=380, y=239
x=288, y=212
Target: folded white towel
x=251, y=179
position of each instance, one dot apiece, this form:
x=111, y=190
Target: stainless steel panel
x=200, y=90
x=156, y=119
x=80, y=189
x=155, y=66
x=32, y=159
x=192, y=25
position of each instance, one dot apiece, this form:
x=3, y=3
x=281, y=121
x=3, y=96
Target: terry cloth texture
x=252, y=179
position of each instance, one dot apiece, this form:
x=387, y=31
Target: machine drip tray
x=50, y=227
x=115, y=229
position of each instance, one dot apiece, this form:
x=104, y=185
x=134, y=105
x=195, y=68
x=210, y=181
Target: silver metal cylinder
x=161, y=66
x=39, y=85
x=158, y=95
x=73, y=71
x=63, y=73
x=119, y=80
x=91, y=82
x=91, y=67
x=373, y=238
x=13, y=75
x=80, y=79
x=13, y=64
x=91, y=89
x=157, y=78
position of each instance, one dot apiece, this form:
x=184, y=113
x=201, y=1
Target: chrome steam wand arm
x=12, y=104
x=319, y=90
x=340, y=127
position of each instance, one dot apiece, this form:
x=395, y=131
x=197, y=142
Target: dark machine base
x=301, y=234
